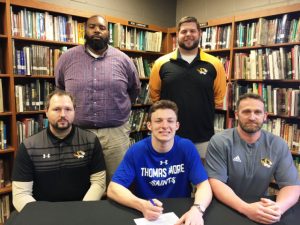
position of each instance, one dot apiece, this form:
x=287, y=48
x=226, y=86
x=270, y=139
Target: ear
x=149, y=125
x=265, y=116
x=236, y=115
x=177, y=125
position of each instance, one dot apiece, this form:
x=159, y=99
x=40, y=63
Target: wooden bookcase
x=11, y=75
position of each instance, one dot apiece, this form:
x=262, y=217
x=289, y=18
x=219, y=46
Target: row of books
x=225, y=60
x=268, y=64
x=132, y=38
x=137, y=136
x=36, y=59
x=1, y=97
x=2, y=70
x=268, y=32
x=4, y=208
x=144, y=96
x=143, y=66
x=32, y=95
x=5, y=180
x=290, y=132
x=217, y=37
x=44, y=26
x=3, y=135
x=219, y=122
x=138, y=120
x=29, y=126
x=297, y=164
x=278, y=101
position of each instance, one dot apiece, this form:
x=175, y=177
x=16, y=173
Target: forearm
x=97, y=188
x=203, y=194
x=22, y=194
x=287, y=197
x=226, y=195
x=124, y=196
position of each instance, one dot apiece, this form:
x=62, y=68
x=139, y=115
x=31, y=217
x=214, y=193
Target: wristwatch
x=200, y=207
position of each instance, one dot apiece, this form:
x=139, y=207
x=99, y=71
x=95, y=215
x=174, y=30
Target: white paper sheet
x=164, y=219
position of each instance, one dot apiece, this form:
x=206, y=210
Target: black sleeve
x=97, y=162
x=23, y=169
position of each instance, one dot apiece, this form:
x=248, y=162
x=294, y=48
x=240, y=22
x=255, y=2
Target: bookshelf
x=266, y=61
x=28, y=56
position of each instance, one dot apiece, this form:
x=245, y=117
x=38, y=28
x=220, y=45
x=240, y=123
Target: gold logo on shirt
x=79, y=154
x=202, y=71
x=266, y=162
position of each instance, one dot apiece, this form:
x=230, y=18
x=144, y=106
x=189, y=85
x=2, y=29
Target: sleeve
x=197, y=172
x=125, y=173
x=97, y=161
x=134, y=85
x=215, y=160
x=59, y=74
x=97, y=188
x=155, y=82
x=219, y=83
x=286, y=173
x=22, y=194
x=23, y=169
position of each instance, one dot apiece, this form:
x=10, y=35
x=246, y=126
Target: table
x=107, y=212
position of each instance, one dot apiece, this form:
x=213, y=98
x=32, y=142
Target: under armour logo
x=164, y=162
x=46, y=156
x=79, y=154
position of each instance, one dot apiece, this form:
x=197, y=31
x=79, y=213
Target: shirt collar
x=57, y=140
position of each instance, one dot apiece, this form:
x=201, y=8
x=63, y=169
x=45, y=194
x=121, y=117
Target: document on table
x=164, y=219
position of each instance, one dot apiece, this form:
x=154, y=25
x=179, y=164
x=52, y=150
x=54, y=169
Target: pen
x=152, y=202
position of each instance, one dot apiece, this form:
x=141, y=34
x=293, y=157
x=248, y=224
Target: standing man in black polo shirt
x=194, y=80
x=60, y=163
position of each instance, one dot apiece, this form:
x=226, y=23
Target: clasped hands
x=265, y=211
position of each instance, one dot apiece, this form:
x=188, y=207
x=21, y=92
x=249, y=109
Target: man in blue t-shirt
x=162, y=166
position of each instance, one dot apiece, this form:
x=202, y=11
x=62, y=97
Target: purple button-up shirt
x=103, y=87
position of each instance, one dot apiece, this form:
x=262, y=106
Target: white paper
x=164, y=219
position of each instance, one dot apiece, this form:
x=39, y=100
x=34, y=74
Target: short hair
x=93, y=17
x=188, y=19
x=162, y=104
x=59, y=92
x=249, y=95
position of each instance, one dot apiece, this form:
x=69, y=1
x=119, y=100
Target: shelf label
x=138, y=24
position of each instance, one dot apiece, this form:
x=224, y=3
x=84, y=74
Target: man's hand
x=191, y=217
x=264, y=211
x=150, y=211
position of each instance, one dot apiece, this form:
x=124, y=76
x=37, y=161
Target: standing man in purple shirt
x=104, y=82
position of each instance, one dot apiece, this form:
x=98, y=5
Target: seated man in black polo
x=60, y=163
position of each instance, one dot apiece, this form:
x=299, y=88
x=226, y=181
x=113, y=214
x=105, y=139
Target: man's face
x=60, y=113
x=96, y=34
x=188, y=36
x=250, y=115
x=163, y=125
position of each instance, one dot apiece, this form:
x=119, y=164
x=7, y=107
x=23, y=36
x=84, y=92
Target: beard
x=96, y=43
x=250, y=129
x=193, y=46
x=56, y=126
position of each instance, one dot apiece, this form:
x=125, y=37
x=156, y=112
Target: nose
x=252, y=116
x=62, y=113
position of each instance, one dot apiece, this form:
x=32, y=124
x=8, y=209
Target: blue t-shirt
x=161, y=175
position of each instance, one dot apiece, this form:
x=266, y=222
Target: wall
x=212, y=9
x=158, y=12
